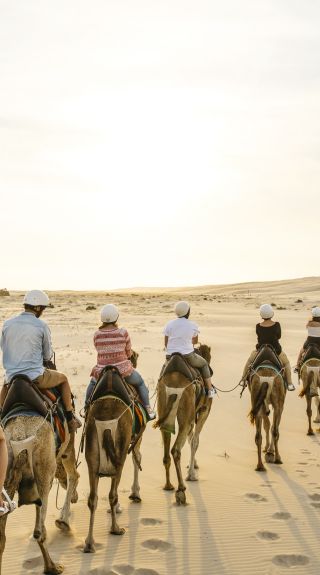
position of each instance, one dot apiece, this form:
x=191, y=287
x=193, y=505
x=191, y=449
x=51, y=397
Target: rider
x=269, y=332
x=26, y=345
x=180, y=336
x=313, y=328
x=113, y=347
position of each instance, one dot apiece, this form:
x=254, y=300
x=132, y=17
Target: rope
x=229, y=390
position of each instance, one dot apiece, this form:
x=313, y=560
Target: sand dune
x=237, y=520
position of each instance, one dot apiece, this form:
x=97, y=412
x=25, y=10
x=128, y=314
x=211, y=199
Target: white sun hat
x=109, y=313
x=181, y=308
x=315, y=311
x=266, y=311
x=36, y=297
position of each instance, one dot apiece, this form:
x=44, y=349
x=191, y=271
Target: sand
x=237, y=520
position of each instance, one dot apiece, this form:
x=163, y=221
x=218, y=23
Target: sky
x=158, y=142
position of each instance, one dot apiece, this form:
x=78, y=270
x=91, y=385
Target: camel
x=310, y=377
x=267, y=388
x=31, y=469
x=108, y=435
x=177, y=402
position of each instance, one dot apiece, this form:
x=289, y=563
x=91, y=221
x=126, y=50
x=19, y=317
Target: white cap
x=36, y=297
x=109, y=313
x=181, y=308
x=266, y=311
x=315, y=311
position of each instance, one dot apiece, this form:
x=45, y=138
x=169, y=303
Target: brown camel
x=267, y=388
x=109, y=426
x=310, y=377
x=177, y=401
x=31, y=469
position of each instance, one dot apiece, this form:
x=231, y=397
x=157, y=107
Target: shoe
x=291, y=387
x=74, y=424
x=8, y=505
x=151, y=413
x=211, y=392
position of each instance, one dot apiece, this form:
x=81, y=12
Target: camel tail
x=161, y=420
x=109, y=447
x=305, y=389
x=259, y=401
x=27, y=488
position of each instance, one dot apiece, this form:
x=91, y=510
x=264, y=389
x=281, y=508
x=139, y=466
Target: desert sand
x=237, y=520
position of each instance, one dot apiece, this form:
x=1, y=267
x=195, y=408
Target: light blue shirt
x=25, y=343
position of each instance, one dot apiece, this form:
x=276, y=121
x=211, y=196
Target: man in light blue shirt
x=26, y=345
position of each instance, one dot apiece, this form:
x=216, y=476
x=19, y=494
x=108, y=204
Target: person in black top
x=269, y=332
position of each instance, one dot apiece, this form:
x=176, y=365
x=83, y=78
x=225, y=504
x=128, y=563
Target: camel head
x=134, y=358
x=205, y=351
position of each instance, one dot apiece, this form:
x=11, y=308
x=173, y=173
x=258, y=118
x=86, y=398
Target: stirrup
x=9, y=505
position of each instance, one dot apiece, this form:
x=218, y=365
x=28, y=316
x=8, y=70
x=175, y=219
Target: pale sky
x=158, y=142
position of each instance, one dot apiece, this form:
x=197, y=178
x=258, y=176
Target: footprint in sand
x=268, y=535
x=124, y=569
x=156, y=545
x=256, y=497
x=143, y=571
x=302, y=463
x=316, y=505
x=101, y=571
x=290, y=560
x=315, y=497
x=150, y=521
x=281, y=515
x=32, y=563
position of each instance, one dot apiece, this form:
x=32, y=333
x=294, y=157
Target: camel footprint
x=268, y=535
x=150, y=521
x=32, y=563
x=283, y=515
x=256, y=497
x=143, y=571
x=124, y=569
x=156, y=545
x=290, y=560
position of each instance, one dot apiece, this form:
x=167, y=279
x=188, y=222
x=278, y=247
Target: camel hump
x=178, y=363
x=265, y=355
x=110, y=382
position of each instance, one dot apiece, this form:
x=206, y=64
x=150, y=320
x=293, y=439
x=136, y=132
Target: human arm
x=166, y=339
x=195, y=339
x=47, y=350
x=128, y=349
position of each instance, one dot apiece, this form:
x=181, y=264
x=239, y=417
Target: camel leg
x=194, y=444
x=258, y=440
x=50, y=568
x=309, y=413
x=69, y=463
x=275, y=433
x=135, y=489
x=266, y=425
x=166, y=438
x=3, y=521
x=176, y=454
x=92, y=504
x=113, y=499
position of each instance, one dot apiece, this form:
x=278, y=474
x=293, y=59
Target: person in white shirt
x=313, y=329
x=180, y=336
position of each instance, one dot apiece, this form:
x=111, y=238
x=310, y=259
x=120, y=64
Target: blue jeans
x=134, y=379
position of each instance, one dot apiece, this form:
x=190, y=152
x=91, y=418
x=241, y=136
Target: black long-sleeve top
x=269, y=335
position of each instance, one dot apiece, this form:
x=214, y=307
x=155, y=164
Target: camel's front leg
x=258, y=440
x=69, y=463
x=176, y=454
x=113, y=499
x=92, y=504
x=136, y=458
x=166, y=437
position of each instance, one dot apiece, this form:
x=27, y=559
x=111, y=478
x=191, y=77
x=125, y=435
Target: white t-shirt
x=180, y=332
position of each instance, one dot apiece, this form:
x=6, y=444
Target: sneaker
x=211, y=392
x=291, y=387
x=74, y=424
x=151, y=413
x=8, y=504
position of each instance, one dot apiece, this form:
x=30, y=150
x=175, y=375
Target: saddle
x=25, y=398
x=111, y=383
x=312, y=352
x=177, y=362
x=266, y=355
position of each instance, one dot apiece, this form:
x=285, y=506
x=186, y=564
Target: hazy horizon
x=148, y=142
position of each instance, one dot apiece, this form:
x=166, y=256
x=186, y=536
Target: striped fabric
x=114, y=348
